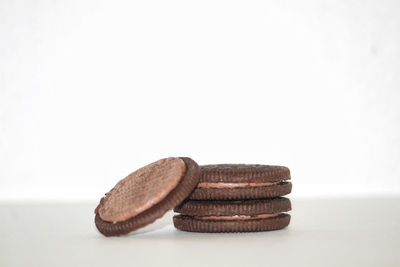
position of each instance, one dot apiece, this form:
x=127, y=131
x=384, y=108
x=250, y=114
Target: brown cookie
x=233, y=216
x=240, y=181
x=145, y=195
x=192, y=224
x=230, y=208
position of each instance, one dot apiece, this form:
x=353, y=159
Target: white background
x=92, y=90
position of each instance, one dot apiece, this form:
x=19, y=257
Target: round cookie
x=229, y=208
x=241, y=181
x=145, y=195
x=190, y=224
x=233, y=216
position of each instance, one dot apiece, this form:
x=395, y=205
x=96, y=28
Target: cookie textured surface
x=191, y=224
x=233, y=216
x=241, y=181
x=145, y=195
x=227, y=208
x=243, y=172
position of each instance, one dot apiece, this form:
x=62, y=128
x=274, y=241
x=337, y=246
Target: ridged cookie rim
x=190, y=224
x=175, y=197
x=238, y=207
x=243, y=173
x=256, y=192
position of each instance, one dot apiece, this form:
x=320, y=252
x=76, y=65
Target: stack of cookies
x=237, y=198
x=210, y=198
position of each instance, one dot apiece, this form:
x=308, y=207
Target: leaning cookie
x=146, y=195
x=240, y=181
x=233, y=216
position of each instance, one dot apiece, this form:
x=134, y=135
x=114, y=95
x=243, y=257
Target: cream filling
x=238, y=217
x=233, y=185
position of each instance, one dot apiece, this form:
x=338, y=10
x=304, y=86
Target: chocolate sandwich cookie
x=233, y=216
x=240, y=181
x=145, y=195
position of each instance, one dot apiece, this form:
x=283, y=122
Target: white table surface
x=323, y=232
